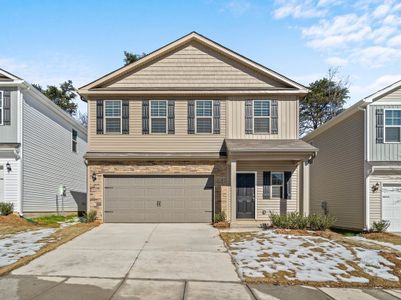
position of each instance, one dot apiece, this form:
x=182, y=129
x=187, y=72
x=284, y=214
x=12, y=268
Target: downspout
x=21, y=154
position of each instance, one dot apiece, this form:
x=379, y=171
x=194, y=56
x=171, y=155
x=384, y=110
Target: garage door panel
x=391, y=206
x=158, y=199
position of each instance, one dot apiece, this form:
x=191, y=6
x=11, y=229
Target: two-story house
x=190, y=130
x=357, y=174
x=41, y=149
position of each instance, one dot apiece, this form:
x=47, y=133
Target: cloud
x=336, y=61
x=376, y=56
x=383, y=81
x=298, y=9
x=237, y=7
x=395, y=41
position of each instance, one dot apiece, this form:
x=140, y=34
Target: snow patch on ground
x=384, y=244
x=306, y=258
x=22, y=244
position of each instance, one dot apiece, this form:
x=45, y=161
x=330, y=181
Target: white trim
x=392, y=126
x=105, y=117
x=211, y=118
x=21, y=153
x=261, y=117
x=366, y=168
x=379, y=103
x=2, y=107
x=255, y=193
x=165, y=117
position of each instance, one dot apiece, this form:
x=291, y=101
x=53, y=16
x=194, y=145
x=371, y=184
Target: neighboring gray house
x=357, y=173
x=41, y=149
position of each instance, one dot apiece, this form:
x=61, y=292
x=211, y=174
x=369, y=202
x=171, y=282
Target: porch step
x=246, y=224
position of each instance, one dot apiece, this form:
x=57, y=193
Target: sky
x=49, y=42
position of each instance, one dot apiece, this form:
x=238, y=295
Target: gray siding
x=337, y=173
x=385, y=151
x=9, y=133
x=48, y=160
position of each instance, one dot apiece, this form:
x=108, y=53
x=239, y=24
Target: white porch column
x=233, y=184
x=305, y=188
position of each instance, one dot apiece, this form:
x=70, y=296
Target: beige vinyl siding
x=375, y=198
x=135, y=141
x=274, y=205
x=391, y=97
x=195, y=66
x=287, y=118
x=337, y=173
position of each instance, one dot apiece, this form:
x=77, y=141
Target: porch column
x=233, y=181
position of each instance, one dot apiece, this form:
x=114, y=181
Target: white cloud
x=395, y=41
x=237, y=7
x=336, y=61
x=363, y=90
x=376, y=56
x=381, y=10
x=298, y=9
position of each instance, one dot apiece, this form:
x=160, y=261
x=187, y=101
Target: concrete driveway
x=151, y=261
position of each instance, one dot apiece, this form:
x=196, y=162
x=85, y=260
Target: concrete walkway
x=151, y=261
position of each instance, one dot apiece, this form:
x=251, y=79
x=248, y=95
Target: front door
x=246, y=196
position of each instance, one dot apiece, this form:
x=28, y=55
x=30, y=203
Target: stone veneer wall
x=101, y=168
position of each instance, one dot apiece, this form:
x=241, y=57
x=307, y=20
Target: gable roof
x=361, y=104
x=7, y=76
x=194, y=37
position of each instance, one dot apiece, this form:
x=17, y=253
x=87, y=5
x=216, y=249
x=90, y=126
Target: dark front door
x=245, y=196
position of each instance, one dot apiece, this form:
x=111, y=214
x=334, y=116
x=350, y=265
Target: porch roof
x=288, y=148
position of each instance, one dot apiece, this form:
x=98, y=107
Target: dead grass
x=383, y=237
x=58, y=238
x=12, y=224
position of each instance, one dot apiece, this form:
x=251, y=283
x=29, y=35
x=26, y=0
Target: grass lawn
x=23, y=240
x=291, y=257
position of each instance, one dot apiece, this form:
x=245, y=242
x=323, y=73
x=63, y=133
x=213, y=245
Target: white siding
x=48, y=160
x=11, y=181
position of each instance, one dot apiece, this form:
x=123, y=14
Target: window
x=277, y=183
x=392, y=130
x=112, y=116
x=204, y=116
x=261, y=116
x=158, y=114
x=74, y=140
x=1, y=108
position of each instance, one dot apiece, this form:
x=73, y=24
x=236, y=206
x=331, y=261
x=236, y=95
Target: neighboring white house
x=357, y=174
x=41, y=149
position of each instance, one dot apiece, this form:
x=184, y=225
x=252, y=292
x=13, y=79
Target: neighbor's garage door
x=158, y=199
x=391, y=206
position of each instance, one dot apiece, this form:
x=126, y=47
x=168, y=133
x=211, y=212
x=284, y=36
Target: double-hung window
x=74, y=140
x=158, y=114
x=204, y=116
x=277, y=184
x=1, y=107
x=392, y=130
x=112, y=116
x=261, y=116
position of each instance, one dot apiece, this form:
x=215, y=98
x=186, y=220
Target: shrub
x=320, y=222
x=219, y=217
x=295, y=220
x=380, y=226
x=89, y=217
x=6, y=208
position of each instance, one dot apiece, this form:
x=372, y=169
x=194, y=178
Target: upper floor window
x=74, y=137
x=112, y=116
x=158, y=116
x=261, y=116
x=1, y=108
x=392, y=129
x=204, y=116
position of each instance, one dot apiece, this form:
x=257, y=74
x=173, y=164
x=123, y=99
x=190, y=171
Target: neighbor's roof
x=193, y=36
x=353, y=109
x=268, y=146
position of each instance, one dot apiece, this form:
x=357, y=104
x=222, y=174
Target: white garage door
x=391, y=206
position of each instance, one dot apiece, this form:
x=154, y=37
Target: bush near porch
x=296, y=220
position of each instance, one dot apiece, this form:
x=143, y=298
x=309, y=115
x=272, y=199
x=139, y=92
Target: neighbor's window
x=158, y=114
x=277, y=183
x=112, y=116
x=204, y=116
x=392, y=126
x=261, y=116
x=74, y=140
x=1, y=108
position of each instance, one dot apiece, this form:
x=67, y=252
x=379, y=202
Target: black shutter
x=99, y=117
x=287, y=185
x=125, y=116
x=7, y=107
x=216, y=117
x=191, y=117
x=145, y=117
x=171, y=117
x=266, y=185
x=379, y=126
x=248, y=117
x=274, y=116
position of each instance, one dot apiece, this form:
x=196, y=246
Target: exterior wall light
x=94, y=176
x=375, y=187
x=8, y=167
